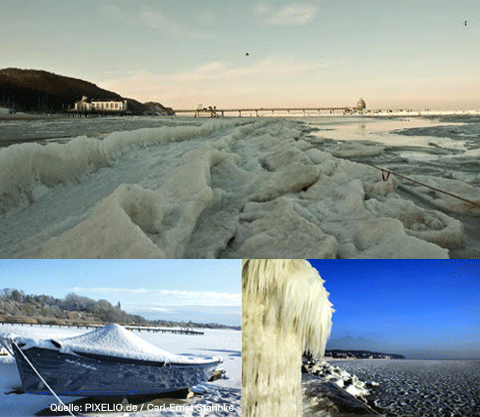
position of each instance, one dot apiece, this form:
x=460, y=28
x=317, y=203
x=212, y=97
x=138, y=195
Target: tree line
x=83, y=308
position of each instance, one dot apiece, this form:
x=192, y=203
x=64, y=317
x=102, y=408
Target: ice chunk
x=355, y=149
x=429, y=225
x=386, y=238
x=110, y=232
x=280, y=229
x=134, y=222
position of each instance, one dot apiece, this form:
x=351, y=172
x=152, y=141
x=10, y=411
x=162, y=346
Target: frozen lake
x=223, y=343
x=421, y=388
x=237, y=188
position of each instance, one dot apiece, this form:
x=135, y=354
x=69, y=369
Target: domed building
x=361, y=104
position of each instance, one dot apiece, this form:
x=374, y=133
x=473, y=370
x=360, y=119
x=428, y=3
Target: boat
x=109, y=361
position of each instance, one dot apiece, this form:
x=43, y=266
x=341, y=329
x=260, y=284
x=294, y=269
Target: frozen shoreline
x=228, y=188
x=428, y=388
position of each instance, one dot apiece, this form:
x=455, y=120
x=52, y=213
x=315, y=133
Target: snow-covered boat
x=109, y=361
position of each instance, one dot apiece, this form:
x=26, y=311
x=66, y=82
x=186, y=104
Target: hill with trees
x=16, y=307
x=30, y=90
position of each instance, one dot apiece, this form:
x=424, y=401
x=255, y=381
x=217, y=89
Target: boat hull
x=77, y=375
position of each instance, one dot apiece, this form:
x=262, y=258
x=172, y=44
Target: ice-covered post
x=285, y=311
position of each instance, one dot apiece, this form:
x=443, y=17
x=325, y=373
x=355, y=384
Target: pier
x=261, y=111
x=96, y=326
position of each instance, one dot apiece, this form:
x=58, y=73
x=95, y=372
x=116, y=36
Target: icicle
x=285, y=312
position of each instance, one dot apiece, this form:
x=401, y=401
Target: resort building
x=87, y=105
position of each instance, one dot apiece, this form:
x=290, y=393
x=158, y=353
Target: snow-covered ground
x=231, y=188
x=220, y=395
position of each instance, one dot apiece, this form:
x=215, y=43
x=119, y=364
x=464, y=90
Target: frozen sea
x=146, y=187
x=421, y=388
x=217, y=395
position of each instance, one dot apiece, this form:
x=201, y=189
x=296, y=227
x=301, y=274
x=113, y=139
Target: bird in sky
x=247, y=54
x=465, y=23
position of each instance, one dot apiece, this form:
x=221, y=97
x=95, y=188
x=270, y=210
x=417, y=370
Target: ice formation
x=285, y=312
x=222, y=189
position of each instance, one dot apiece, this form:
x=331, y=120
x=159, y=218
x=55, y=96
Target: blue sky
x=198, y=290
x=398, y=53
x=419, y=308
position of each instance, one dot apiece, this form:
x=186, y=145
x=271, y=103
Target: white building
x=86, y=105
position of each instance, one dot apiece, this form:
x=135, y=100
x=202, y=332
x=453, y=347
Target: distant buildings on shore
x=107, y=106
x=360, y=354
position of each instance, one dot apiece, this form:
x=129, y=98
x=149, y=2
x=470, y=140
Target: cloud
x=158, y=21
x=262, y=8
x=265, y=69
x=152, y=19
x=154, y=309
x=218, y=81
x=114, y=12
x=203, y=297
x=229, y=315
x=295, y=14
x=207, y=19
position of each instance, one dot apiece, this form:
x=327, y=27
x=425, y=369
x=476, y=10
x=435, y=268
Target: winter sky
x=180, y=290
x=423, y=309
x=398, y=53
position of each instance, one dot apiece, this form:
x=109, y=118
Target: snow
x=223, y=392
x=285, y=311
x=113, y=340
x=338, y=376
x=231, y=188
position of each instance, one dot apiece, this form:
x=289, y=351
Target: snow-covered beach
x=236, y=188
x=218, y=399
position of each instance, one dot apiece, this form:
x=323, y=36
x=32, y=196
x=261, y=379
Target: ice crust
x=427, y=388
x=227, y=188
x=285, y=311
x=113, y=340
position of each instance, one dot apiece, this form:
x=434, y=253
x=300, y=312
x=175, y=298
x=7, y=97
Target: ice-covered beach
x=215, y=397
x=238, y=188
x=421, y=388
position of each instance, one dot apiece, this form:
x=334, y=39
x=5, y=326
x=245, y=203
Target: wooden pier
x=214, y=112
x=96, y=326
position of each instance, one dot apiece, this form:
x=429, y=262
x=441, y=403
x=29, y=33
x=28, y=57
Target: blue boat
x=109, y=361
